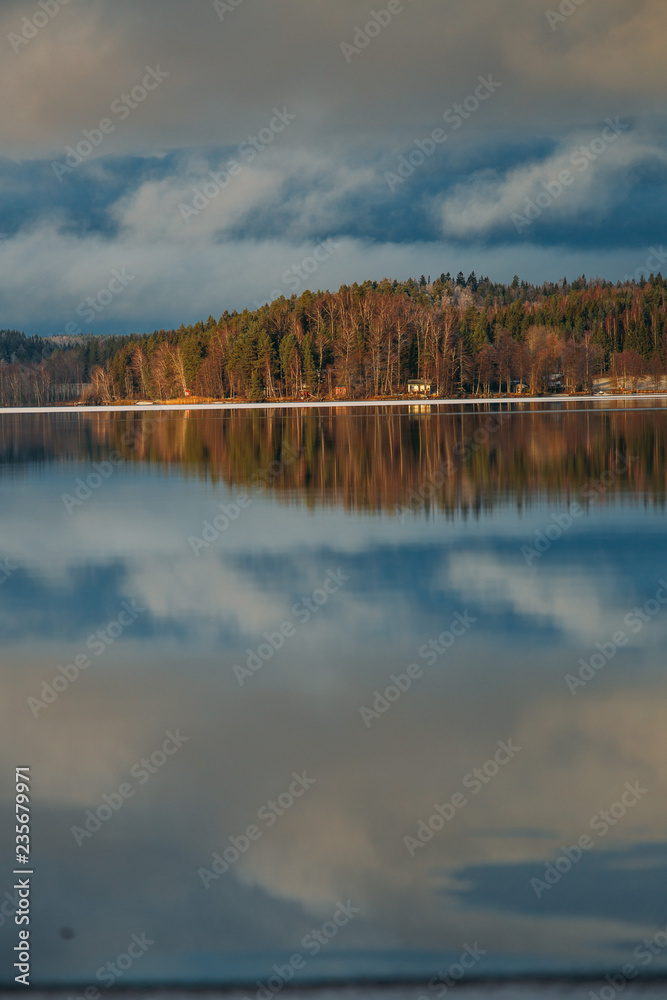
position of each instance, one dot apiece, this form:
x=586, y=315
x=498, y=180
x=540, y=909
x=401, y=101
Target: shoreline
x=335, y=404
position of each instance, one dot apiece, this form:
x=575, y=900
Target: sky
x=162, y=162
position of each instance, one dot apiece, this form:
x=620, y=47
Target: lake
x=337, y=695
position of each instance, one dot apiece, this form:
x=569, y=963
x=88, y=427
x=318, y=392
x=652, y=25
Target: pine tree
x=256, y=387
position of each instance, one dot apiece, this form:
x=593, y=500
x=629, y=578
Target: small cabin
x=419, y=387
x=340, y=390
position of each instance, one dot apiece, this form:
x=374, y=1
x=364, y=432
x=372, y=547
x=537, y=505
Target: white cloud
x=596, y=167
x=46, y=273
x=193, y=205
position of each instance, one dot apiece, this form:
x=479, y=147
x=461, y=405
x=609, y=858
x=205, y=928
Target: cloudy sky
x=318, y=120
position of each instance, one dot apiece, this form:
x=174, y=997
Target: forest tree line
x=465, y=336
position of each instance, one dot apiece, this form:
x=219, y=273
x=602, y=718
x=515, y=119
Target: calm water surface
x=366, y=691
